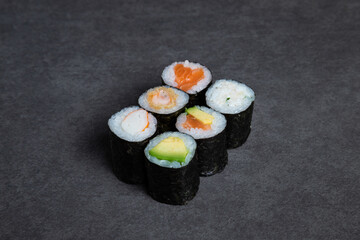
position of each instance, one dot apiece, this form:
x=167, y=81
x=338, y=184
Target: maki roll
x=172, y=170
x=130, y=130
x=236, y=101
x=192, y=78
x=166, y=103
x=207, y=127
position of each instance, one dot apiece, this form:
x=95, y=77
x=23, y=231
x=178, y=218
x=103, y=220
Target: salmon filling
x=186, y=77
x=192, y=122
x=162, y=97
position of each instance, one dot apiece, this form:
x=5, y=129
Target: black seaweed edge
x=166, y=122
x=128, y=159
x=175, y=186
x=238, y=127
x=212, y=154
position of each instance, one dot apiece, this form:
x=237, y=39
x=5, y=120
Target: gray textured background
x=67, y=66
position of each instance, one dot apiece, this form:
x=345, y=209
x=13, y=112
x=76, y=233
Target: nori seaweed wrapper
x=212, y=154
x=176, y=186
x=198, y=98
x=238, y=127
x=166, y=122
x=128, y=159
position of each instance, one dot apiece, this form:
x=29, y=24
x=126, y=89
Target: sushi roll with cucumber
x=190, y=77
x=130, y=130
x=207, y=127
x=236, y=101
x=172, y=170
x=166, y=103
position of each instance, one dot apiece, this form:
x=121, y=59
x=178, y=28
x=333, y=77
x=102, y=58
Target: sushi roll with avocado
x=166, y=103
x=130, y=130
x=207, y=127
x=172, y=170
x=190, y=77
x=236, y=101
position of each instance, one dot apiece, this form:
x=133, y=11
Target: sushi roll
x=171, y=167
x=130, y=130
x=207, y=127
x=166, y=103
x=236, y=101
x=190, y=77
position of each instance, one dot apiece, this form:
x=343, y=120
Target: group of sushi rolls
x=173, y=138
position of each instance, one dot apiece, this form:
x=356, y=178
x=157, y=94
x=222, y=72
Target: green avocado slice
x=202, y=116
x=171, y=149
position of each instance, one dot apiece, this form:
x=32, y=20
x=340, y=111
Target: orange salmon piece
x=186, y=77
x=192, y=122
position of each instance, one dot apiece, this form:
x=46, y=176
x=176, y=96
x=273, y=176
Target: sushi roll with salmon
x=130, y=130
x=236, y=101
x=190, y=77
x=166, y=103
x=207, y=127
x=172, y=170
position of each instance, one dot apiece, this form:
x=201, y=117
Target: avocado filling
x=202, y=116
x=171, y=149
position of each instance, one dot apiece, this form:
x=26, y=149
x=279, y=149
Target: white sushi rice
x=115, y=125
x=217, y=126
x=168, y=75
x=189, y=142
x=181, y=101
x=229, y=96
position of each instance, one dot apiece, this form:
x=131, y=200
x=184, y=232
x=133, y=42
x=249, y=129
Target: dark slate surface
x=67, y=66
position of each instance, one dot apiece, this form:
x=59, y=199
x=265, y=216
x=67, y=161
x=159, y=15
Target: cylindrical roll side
x=212, y=154
x=238, y=127
x=198, y=98
x=128, y=159
x=166, y=122
x=174, y=186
